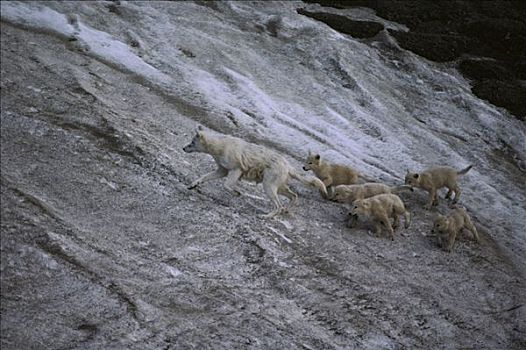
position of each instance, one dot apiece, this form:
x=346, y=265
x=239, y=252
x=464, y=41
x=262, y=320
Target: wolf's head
x=440, y=224
x=341, y=194
x=361, y=206
x=412, y=179
x=440, y=230
x=198, y=142
x=312, y=162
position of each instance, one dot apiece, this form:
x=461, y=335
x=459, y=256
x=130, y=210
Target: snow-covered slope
x=261, y=71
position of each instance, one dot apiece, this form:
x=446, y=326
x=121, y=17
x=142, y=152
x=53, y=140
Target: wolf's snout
x=305, y=169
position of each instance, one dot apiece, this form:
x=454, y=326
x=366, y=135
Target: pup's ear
x=317, y=156
x=416, y=176
x=200, y=132
x=310, y=153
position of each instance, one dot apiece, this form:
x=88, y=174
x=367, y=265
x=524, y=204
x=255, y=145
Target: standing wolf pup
x=332, y=174
x=383, y=207
x=448, y=227
x=433, y=179
x=237, y=159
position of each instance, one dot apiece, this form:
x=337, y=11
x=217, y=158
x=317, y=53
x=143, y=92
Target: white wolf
x=237, y=159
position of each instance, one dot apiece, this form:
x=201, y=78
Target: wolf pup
x=350, y=193
x=237, y=159
x=332, y=174
x=382, y=207
x=433, y=179
x=448, y=227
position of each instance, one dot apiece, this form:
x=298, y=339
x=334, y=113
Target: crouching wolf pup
x=433, y=179
x=350, y=193
x=332, y=174
x=382, y=207
x=237, y=159
x=448, y=227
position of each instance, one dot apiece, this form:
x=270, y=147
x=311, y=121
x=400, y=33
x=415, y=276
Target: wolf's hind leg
x=407, y=219
x=287, y=192
x=472, y=228
x=271, y=190
x=457, y=191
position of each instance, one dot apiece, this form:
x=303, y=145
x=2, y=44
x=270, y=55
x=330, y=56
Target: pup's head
x=440, y=224
x=412, y=179
x=341, y=194
x=440, y=230
x=312, y=162
x=360, y=206
x=337, y=196
x=198, y=142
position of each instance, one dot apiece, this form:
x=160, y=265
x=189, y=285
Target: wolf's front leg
x=217, y=174
x=231, y=180
x=432, y=199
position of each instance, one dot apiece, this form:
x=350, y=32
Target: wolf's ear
x=200, y=132
x=317, y=157
x=416, y=176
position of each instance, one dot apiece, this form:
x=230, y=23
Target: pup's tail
x=463, y=171
x=313, y=181
x=397, y=189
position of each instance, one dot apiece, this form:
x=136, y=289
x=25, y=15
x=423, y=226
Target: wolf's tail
x=463, y=171
x=313, y=181
x=398, y=189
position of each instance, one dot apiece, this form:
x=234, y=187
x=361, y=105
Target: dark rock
x=503, y=93
x=357, y=29
x=435, y=47
x=446, y=31
x=485, y=69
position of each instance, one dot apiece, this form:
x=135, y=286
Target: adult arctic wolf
x=237, y=159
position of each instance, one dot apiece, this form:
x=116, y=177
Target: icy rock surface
x=103, y=246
